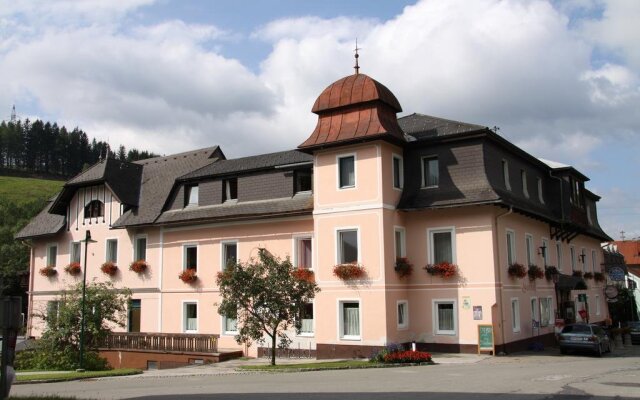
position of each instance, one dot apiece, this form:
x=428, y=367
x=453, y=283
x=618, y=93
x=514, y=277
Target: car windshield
x=576, y=329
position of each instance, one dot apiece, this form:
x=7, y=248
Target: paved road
x=524, y=376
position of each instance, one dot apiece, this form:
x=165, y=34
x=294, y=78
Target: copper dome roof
x=354, y=89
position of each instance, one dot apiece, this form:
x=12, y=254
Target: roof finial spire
x=357, y=67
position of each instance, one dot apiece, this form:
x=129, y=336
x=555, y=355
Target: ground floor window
x=534, y=310
x=350, y=319
x=52, y=313
x=403, y=314
x=445, y=317
x=230, y=324
x=306, y=319
x=515, y=315
x=135, y=309
x=597, y=304
x=190, y=317
x=545, y=311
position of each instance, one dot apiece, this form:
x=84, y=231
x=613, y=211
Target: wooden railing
x=164, y=342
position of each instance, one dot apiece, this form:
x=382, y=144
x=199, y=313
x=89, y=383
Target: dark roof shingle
x=420, y=126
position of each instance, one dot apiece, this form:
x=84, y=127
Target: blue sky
x=560, y=78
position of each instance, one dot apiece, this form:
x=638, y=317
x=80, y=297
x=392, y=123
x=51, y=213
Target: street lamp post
x=87, y=240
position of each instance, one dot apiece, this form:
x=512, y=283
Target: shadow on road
x=378, y=396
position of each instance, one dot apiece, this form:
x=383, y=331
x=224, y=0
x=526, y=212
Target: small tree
x=266, y=296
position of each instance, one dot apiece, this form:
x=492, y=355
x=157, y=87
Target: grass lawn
x=317, y=365
x=23, y=189
x=41, y=398
x=71, y=376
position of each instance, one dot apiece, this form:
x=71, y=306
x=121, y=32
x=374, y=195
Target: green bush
x=65, y=360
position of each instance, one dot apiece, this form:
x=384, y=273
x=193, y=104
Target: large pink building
x=366, y=187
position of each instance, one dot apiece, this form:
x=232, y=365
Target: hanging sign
x=485, y=339
x=616, y=274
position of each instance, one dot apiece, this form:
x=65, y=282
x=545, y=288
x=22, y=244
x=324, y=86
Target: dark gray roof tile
x=420, y=126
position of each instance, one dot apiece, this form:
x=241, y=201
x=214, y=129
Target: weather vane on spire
x=357, y=67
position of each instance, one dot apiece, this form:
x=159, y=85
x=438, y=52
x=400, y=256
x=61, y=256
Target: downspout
x=498, y=270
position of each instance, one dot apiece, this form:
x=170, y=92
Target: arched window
x=94, y=209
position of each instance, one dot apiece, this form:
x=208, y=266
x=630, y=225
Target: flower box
x=303, y=274
x=73, y=268
x=443, y=269
x=550, y=271
x=588, y=275
x=109, y=268
x=48, y=271
x=516, y=270
x=403, y=267
x=139, y=266
x=598, y=277
x=577, y=274
x=348, y=272
x=535, y=272
x=189, y=275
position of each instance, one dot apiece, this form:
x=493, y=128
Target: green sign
x=485, y=338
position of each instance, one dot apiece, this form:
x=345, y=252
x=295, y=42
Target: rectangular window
x=229, y=189
x=140, y=248
x=229, y=254
x=589, y=220
x=75, y=252
x=545, y=251
x=515, y=315
x=53, y=308
x=530, y=252
x=192, y=195
x=347, y=172
x=545, y=311
x=303, y=253
x=593, y=260
x=135, y=308
x=190, y=260
x=540, y=194
x=505, y=174
x=525, y=189
x=230, y=323
x=441, y=246
x=112, y=250
x=572, y=252
x=398, y=173
x=559, y=255
x=348, y=246
x=349, y=320
x=399, y=240
x=445, y=317
x=583, y=258
x=306, y=319
x=534, y=310
x=303, y=179
x=597, y=304
x=430, y=172
x=52, y=255
x=511, y=247
x=403, y=314
x=190, y=317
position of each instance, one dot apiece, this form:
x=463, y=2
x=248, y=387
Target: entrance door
x=135, y=308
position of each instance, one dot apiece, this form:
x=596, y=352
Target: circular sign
x=616, y=274
x=611, y=292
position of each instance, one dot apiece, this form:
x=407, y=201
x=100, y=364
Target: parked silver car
x=584, y=337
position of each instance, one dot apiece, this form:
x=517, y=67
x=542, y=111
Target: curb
x=398, y=365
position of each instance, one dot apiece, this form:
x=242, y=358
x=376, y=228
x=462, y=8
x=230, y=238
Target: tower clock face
x=611, y=292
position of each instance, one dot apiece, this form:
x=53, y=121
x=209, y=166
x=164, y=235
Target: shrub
x=58, y=360
x=48, y=271
x=549, y=271
x=403, y=357
x=444, y=269
x=349, y=271
x=517, y=270
x=139, y=266
x=73, y=268
x=189, y=275
x=109, y=268
x=535, y=272
x=403, y=267
x=378, y=355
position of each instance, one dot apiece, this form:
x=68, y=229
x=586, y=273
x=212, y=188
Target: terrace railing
x=162, y=342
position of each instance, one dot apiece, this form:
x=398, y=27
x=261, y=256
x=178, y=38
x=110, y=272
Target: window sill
x=429, y=187
x=351, y=338
x=230, y=201
x=403, y=328
x=346, y=187
x=446, y=333
x=190, y=331
x=230, y=333
x=306, y=335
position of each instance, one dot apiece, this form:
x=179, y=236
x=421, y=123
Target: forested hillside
x=46, y=148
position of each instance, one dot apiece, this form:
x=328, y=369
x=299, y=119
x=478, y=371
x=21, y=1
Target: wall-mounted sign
x=616, y=274
x=466, y=303
x=611, y=292
x=477, y=313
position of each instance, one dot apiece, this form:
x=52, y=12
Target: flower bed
x=189, y=275
x=550, y=271
x=407, y=357
x=73, y=268
x=598, y=277
x=403, y=267
x=303, y=274
x=48, y=271
x=109, y=268
x=443, y=269
x=516, y=270
x=139, y=266
x=535, y=272
x=577, y=274
x=588, y=275
x=348, y=272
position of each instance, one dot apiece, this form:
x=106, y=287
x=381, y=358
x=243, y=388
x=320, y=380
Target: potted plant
x=349, y=271
x=109, y=268
x=535, y=272
x=550, y=271
x=577, y=274
x=73, y=268
x=517, y=270
x=444, y=269
x=48, y=271
x=303, y=274
x=139, y=266
x=598, y=277
x=403, y=267
x=588, y=275
x=188, y=275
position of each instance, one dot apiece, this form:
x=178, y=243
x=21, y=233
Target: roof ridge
x=442, y=119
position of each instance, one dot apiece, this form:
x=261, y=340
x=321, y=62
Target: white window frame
x=223, y=324
x=400, y=172
x=515, y=317
x=184, y=316
x=339, y=247
x=190, y=195
x=430, y=247
x=559, y=255
x=584, y=260
x=549, y=301
x=572, y=256
x=535, y=309
x=136, y=256
x=525, y=189
x=589, y=220
x=223, y=252
x=547, y=249
x=434, y=309
x=423, y=183
x=593, y=260
x=296, y=249
x=184, y=255
x=313, y=333
x=341, y=336
x=355, y=171
x=597, y=299
x=226, y=187
x=505, y=174
x=403, y=241
x=540, y=195
x=529, y=247
x=405, y=324
x=71, y=244
x=47, y=255
x=106, y=250
x=511, y=246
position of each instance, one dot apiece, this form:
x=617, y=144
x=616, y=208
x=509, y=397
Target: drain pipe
x=498, y=270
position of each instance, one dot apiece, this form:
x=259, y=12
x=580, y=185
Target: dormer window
x=525, y=189
x=505, y=174
x=430, y=172
x=540, y=195
x=346, y=172
x=303, y=180
x=94, y=209
x=191, y=195
x=229, y=189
